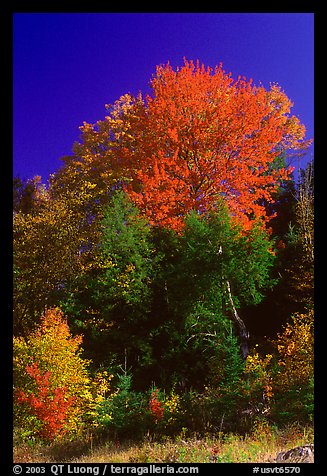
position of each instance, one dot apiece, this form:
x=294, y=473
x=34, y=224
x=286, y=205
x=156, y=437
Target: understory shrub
x=51, y=380
x=124, y=412
x=294, y=372
x=47, y=408
x=55, y=395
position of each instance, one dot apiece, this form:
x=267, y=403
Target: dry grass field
x=262, y=445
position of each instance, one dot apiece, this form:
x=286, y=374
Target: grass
x=262, y=445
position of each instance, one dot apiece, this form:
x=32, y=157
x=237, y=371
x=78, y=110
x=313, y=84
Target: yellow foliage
x=54, y=349
x=124, y=280
x=295, y=347
x=258, y=370
x=47, y=243
x=173, y=405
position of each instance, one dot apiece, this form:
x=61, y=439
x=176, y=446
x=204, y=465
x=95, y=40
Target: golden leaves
x=295, y=346
x=57, y=351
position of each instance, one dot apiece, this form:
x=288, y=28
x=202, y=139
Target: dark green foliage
x=125, y=245
x=158, y=302
x=111, y=301
x=161, y=305
x=125, y=413
x=295, y=404
x=216, y=250
x=215, y=253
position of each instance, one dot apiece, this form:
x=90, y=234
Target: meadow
x=261, y=446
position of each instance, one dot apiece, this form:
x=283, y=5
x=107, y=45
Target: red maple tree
x=205, y=136
x=199, y=137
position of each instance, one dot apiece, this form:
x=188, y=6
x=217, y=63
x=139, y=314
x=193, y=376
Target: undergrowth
x=261, y=445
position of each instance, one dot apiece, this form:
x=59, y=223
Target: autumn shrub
x=156, y=406
x=50, y=379
x=175, y=412
x=259, y=380
x=169, y=412
x=279, y=385
x=127, y=413
x=294, y=373
x=50, y=407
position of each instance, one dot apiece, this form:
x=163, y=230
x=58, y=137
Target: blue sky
x=68, y=66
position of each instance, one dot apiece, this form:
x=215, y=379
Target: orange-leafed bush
x=156, y=406
x=49, y=406
x=50, y=376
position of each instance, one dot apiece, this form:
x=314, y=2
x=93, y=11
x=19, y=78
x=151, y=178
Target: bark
x=243, y=332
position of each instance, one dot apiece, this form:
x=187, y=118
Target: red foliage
x=50, y=406
x=156, y=407
x=203, y=136
x=200, y=137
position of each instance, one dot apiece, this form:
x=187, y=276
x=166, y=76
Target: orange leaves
x=49, y=406
x=50, y=376
x=53, y=327
x=200, y=136
x=156, y=406
x=212, y=137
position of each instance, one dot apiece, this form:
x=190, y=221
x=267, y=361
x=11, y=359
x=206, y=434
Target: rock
x=300, y=454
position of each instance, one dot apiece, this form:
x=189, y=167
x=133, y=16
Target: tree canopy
x=200, y=136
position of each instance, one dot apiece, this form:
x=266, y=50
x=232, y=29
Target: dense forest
x=163, y=276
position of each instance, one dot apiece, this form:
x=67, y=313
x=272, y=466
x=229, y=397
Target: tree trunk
x=243, y=332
